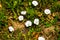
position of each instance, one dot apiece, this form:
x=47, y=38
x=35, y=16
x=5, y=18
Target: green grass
x=12, y=8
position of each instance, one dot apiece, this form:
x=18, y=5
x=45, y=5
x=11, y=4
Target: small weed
x=30, y=13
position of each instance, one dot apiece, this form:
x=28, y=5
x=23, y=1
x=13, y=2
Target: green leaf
x=15, y=3
x=29, y=3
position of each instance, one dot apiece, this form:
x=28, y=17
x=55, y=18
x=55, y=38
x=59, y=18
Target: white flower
x=20, y=18
x=47, y=11
x=28, y=23
x=11, y=28
x=41, y=38
x=36, y=21
x=23, y=12
x=35, y=3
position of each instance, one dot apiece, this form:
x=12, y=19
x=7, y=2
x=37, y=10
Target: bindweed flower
x=41, y=38
x=20, y=18
x=36, y=21
x=28, y=23
x=11, y=28
x=23, y=12
x=35, y=3
x=47, y=11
